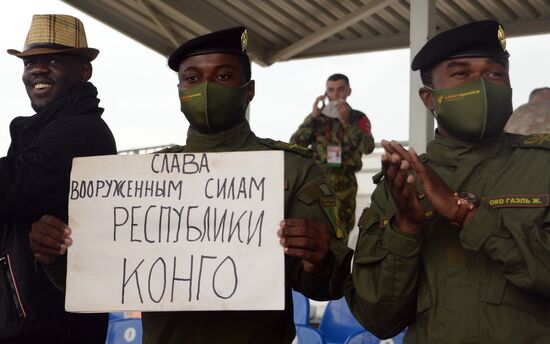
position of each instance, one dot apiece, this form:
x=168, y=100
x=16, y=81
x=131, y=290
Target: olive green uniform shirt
x=486, y=283
x=303, y=195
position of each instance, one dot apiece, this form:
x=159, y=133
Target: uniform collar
x=454, y=152
x=228, y=140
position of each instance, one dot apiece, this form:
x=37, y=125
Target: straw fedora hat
x=56, y=34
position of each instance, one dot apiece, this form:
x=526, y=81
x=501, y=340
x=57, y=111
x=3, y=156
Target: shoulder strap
x=288, y=147
x=534, y=141
x=172, y=149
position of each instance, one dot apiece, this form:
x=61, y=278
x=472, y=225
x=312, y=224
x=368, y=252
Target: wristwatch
x=466, y=202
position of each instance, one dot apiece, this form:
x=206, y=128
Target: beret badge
x=244, y=40
x=501, y=37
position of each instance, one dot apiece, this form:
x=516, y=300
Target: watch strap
x=464, y=207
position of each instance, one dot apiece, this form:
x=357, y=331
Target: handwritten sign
x=166, y=232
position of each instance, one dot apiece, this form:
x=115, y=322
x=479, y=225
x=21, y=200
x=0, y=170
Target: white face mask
x=330, y=110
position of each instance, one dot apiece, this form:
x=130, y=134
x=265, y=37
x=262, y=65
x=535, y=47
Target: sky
x=140, y=96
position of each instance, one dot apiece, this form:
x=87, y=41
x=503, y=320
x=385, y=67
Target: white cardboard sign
x=167, y=232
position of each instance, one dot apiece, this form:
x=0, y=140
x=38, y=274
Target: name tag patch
x=518, y=201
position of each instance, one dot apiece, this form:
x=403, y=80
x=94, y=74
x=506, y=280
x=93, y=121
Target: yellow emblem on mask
x=244, y=40
x=501, y=37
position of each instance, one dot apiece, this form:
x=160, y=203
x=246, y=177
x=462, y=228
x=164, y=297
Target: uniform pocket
x=424, y=299
x=461, y=302
x=500, y=291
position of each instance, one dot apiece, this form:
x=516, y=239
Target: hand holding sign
x=49, y=239
x=307, y=240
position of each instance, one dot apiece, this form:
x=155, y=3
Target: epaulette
x=377, y=178
x=289, y=147
x=533, y=141
x=172, y=149
x=314, y=192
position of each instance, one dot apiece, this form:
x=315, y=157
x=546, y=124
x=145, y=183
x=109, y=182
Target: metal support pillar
x=422, y=27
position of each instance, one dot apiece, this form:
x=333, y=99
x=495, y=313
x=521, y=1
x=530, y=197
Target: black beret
x=479, y=39
x=231, y=41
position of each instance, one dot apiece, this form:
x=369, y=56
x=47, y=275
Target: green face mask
x=473, y=111
x=211, y=107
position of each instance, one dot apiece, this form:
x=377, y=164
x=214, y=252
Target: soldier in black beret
x=215, y=89
x=455, y=245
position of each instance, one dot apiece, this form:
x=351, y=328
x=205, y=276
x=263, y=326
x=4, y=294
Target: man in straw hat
x=215, y=90
x=34, y=179
x=456, y=243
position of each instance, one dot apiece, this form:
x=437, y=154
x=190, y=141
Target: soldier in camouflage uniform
x=456, y=243
x=338, y=138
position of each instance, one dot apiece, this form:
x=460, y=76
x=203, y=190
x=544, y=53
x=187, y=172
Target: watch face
x=470, y=197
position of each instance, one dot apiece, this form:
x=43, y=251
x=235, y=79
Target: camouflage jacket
x=355, y=139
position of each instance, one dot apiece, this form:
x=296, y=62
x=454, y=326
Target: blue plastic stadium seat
x=116, y=315
x=301, y=308
x=366, y=337
x=399, y=338
x=309, y=335
x=124, y=331
x=363, y=337
x=338, y=323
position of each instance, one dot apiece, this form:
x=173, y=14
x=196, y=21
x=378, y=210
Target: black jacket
x=34, y=180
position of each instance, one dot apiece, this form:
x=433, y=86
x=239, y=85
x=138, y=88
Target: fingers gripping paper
x=166, y=232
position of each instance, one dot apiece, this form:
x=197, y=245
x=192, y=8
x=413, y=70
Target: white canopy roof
x=287, y=29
